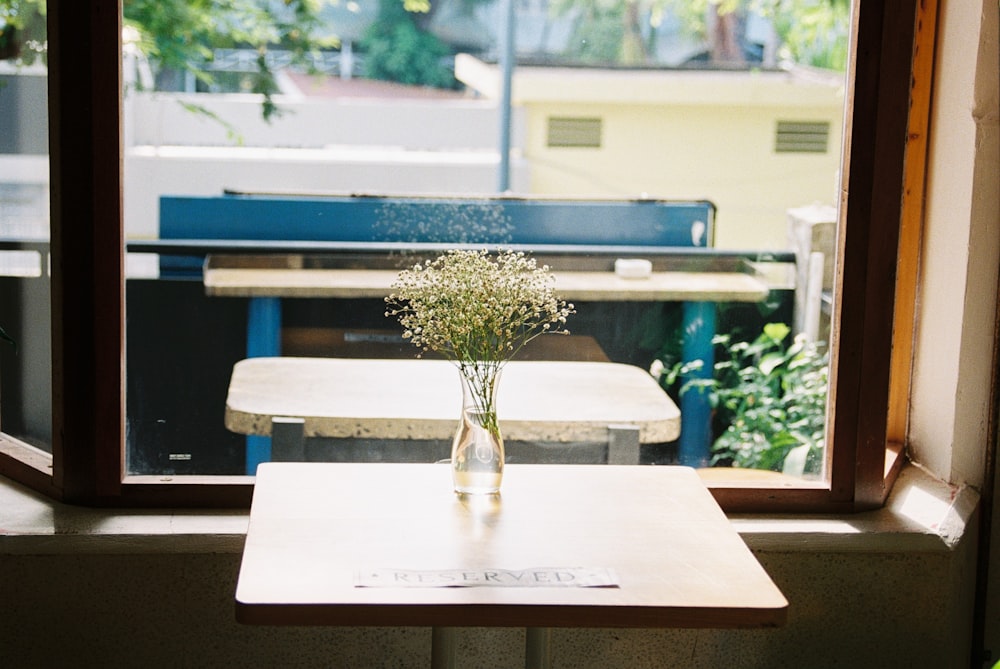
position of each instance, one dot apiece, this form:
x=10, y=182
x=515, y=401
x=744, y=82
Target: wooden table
x=554, y=401
x=698, y=290
x=317, y=529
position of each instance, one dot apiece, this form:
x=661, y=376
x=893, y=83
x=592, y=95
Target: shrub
x=770, y=396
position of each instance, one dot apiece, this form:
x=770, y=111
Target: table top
x=542, y=401
x=597, y=286
x=314, y=527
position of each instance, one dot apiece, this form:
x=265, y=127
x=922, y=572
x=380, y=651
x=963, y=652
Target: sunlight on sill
x=923, y=515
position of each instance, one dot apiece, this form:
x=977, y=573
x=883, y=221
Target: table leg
x=696, y=412
x=443, y=648
x=538, y=648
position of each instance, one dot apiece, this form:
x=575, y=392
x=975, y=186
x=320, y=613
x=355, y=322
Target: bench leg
x=288, y=442
x=623, y=444
x=263, y=340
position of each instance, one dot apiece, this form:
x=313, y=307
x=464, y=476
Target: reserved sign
x=540, y=577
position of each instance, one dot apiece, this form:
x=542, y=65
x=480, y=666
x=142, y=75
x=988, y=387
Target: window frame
x=885, y=148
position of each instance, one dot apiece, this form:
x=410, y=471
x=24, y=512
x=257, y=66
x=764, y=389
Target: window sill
x=923, y=514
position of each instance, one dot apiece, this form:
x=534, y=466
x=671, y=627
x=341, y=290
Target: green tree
x=398, y=49
x=607, y=30
x=811, y=32
x=22, y=30
x=400, y=46
x=182, y=34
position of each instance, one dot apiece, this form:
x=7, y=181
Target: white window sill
x=923, y=515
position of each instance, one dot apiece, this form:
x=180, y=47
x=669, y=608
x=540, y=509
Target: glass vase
x=477, y=450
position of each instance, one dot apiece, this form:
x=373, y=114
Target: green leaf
x=771, y=362
x=777, y=332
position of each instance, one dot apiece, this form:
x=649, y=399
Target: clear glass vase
x=477, y=450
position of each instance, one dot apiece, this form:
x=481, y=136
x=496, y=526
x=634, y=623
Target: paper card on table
x=535, y=577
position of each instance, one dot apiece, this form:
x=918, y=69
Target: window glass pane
x=25, y=367
x=653, y=107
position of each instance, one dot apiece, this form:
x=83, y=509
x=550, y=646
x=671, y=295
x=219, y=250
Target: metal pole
x=506, y=68
x=538, y=648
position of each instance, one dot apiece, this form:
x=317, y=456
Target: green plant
x=770, y=394
x=477, y=310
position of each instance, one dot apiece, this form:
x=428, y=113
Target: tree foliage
x=398, y=49
x=810, y=32
x=813, y=32
x=182, y=34
x=22, y=30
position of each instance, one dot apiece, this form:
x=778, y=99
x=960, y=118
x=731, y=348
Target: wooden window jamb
x=84, y=60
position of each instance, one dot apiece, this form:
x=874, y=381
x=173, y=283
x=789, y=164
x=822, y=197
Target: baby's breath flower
x=476, y=309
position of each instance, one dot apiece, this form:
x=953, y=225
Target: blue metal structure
x=523, y=221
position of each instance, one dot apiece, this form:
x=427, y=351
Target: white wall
x=160, y=119
x=343, y=146
x=682, y=135
x=950, y=402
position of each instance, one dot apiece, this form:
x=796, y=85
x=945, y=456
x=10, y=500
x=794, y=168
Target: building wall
x=681, y=135
x=719, y=153
x=318, y=145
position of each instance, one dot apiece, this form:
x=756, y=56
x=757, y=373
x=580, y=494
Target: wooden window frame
x=885, y=146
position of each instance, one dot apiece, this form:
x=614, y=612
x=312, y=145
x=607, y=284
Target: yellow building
x=754, y=143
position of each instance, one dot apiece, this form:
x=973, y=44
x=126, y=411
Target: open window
x=888, y=96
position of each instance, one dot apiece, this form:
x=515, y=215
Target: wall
x=22, y=129
x=951, y=426
x=91, y=588
x=332, y=145
x=961, y=254
x=682, y=135
x=177, y=611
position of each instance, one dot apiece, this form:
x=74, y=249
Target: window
x=802, y=137
x=574, y=132
x=88, y=295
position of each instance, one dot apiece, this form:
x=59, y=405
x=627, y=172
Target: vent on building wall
x=802, y=137
x=574, y=132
